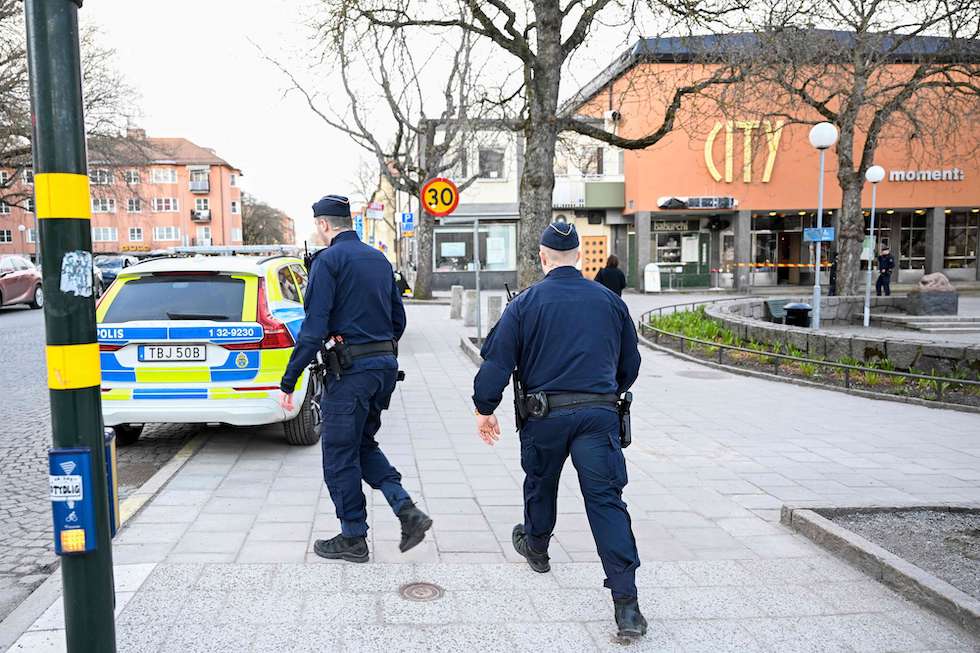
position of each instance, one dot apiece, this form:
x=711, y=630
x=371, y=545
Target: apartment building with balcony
x=174, y=193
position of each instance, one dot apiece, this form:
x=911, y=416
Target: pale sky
x=201, y=77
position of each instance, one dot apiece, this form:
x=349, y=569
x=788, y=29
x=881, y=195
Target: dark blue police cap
x=560, y=236
x=332, y=205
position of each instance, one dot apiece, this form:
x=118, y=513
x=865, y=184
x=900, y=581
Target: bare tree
x=540, y=37
x=412, y=132
x=261, y=223
x=109, y=104
x=897, y=73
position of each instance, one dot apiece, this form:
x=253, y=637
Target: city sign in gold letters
x=773, y=134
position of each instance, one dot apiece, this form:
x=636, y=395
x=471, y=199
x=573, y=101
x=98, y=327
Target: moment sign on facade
x=949, y=174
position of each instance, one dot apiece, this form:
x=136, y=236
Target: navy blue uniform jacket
x=565, y=334
x=351, y=292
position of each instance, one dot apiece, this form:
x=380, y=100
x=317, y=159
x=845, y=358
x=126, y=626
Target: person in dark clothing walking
x=578, y=377
x=352, y=300
x=886, y=263
x=611, y=276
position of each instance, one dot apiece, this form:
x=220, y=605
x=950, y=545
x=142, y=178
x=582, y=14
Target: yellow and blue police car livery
x=202, y=339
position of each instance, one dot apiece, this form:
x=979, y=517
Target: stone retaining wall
x=746, y=318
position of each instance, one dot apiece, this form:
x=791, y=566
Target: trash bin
x=797, y=314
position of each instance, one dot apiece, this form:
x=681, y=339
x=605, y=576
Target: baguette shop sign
x=949, y=174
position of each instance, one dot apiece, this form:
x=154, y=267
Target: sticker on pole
x=440, y=197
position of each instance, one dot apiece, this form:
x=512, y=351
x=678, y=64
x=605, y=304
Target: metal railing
x=939, y=383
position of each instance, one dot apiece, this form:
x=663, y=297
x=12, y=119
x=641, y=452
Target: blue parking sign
x=408, y=224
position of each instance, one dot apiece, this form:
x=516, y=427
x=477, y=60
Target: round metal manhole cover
x=421, y=592
x=704, y=375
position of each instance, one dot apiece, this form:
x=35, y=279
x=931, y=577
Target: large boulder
x=934, y=296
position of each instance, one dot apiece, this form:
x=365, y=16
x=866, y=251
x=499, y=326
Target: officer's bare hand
x=488, y=428
x=286, y=401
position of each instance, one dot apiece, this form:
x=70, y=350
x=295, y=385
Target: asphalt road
x=26, y=547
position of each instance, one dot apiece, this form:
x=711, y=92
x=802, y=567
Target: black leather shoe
x=415, y=523
x=629, y=619
x=539, y=562
x=351, y=549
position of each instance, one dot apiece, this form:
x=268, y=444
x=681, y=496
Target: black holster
x=625, y=429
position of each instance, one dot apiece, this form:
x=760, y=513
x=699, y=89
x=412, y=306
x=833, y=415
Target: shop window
x=668, y=248
x=961, y=239
x=453, y=248
x=913, y=251
x=764, y=249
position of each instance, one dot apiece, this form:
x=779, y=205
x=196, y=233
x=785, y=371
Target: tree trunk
x=540, y=135
x=423, y=271
x=850, y=240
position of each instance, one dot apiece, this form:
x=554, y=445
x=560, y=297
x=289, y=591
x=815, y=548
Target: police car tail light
x=103, y=347
x=275, y=335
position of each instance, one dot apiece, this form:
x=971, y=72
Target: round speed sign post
x=440, y=197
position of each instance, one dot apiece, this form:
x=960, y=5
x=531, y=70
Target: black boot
x=629, y=619
x=414, y=525
x=539, y=562
x=351, y=549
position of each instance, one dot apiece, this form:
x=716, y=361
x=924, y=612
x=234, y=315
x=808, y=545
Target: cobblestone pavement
x=26, y=548
x=221, y=559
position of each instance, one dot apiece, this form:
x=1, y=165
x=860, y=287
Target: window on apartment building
x=201, y=204
x=30, y=235
x=234, y=207
x=166, y=233
x=4, y=177
x=164, y=176
x=103, y=205
x=233, y=179
x=594, y=162
x=6, y=236
x=100, y=177
x=104, y=234
x=132, y=176
x=134, y=205
x=491, y=164
x=30, y=205
x=236, y=235
x=204, y=235
x=28, y=175
x=165, y=204
x=135, y=234
x=4, y=208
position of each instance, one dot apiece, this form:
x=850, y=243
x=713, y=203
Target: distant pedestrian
x=611, y=276
x=886, y=263
x=833, y=274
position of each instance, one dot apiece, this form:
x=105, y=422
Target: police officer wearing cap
x=574, y=347
x=351, y=299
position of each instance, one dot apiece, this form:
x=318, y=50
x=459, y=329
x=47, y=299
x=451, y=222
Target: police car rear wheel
x=128, y=434
x=304, y=429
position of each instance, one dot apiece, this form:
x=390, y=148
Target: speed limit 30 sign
x=440, y=197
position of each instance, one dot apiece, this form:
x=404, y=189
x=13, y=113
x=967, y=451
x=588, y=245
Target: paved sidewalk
x=226, y=547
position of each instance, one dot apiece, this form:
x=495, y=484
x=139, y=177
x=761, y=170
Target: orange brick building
x=181, y=194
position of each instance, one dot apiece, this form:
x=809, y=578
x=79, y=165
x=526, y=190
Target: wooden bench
x=776, y=310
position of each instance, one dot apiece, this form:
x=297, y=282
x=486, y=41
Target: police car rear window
x=190, y=297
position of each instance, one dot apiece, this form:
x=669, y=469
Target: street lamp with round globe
x=823, y=135
x=873, y=175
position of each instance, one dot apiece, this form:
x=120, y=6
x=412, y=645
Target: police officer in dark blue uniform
x=574, y=347
x=886, y=263
x=351, y=299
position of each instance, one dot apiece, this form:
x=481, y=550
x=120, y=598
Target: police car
x=204, y=339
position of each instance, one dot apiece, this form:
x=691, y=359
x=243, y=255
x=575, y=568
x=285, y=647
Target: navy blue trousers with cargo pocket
x=591, y=436
x=351, y=409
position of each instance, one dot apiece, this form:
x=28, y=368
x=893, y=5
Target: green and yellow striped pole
x=64, y=211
